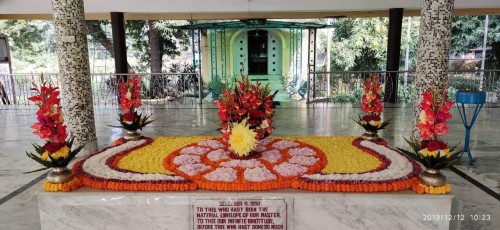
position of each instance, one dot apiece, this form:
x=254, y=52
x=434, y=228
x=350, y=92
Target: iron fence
x=347, y=86
x=183, y=88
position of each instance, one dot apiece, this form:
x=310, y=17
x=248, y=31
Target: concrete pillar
x=393, y=54
x=119, y=45
x=73, y=56
x=311, y=65
x=433, y=49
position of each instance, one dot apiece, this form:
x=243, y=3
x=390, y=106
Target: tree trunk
x=3, y=95
x=156, y=86
x=98, y=34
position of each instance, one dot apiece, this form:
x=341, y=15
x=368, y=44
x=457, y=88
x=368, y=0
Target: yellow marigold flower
x=425, y=152
x=45, y=156
x=62, y=152
x=375, y=123
x=446, y=152
x=242, y=139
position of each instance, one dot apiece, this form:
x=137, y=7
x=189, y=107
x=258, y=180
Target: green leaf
x=37, y=170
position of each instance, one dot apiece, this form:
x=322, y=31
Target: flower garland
x=401, y=175
x=130, y=101
x=69, y=186
x=371, y=105
x=99, y=171
x=427, y=189
x=280, y=163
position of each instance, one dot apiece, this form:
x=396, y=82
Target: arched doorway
x=259, y=51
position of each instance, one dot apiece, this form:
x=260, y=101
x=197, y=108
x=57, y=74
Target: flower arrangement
x=252, y=103
x=371, y=105
x=130, y=100
x=56, y=152
x=431, y=151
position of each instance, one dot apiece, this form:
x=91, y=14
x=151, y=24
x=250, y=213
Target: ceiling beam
x=239, y=15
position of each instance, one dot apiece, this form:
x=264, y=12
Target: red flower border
x=124, y=185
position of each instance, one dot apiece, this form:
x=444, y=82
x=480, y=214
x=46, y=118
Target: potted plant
x=57, y=152
x=371, y=105
x=130, y=101
x=431, y=151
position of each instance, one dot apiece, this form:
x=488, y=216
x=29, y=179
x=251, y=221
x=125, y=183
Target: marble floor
x=18, y=203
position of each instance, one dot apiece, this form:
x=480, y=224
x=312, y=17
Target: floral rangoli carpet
x=341, y=164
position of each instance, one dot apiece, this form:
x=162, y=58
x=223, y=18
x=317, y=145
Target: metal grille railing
x=347, y=86
x=182, y=88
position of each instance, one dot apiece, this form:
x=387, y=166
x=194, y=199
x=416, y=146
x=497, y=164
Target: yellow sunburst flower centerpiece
x=242, y=139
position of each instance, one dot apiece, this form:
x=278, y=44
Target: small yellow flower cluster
x=62, y=152
x=375, y=123
x=149, y=159
x=65, y=187
x=436, y=153
x=427, y=189
x=343, y=156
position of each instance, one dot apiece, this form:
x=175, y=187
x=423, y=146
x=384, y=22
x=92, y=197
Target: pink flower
x=441, y=129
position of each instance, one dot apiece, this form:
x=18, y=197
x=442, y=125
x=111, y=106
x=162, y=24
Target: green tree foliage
x=359, y=44
x=412, y=42
x=468, y=32
x=32, y=44
x=171, y=41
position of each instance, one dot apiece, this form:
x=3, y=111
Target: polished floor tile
x=292, y=119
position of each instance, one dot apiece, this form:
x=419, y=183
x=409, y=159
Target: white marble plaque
x=239, y=214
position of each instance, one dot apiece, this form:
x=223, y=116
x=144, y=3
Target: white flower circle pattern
x=222, y=174
x=186, y=159
x=271, y=162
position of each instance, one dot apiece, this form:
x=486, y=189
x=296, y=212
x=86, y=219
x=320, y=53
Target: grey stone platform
x=87, y=208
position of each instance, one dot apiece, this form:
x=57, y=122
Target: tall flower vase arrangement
x=431, y=151
x=245, y=115
x=130, y=101
x=57, y=152
x=371, y=105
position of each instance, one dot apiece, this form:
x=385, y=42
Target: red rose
x=442, y=145
x=371, y=118
x=128, y=117
x=423, y=144
x=53, y=147
x=433, y=145
x=256, y=114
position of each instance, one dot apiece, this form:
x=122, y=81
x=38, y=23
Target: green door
x=274, y=51
x=240, y=54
